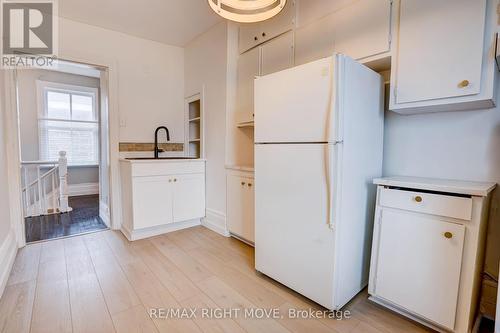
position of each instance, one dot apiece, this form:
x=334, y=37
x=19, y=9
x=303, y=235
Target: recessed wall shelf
x=194, y=126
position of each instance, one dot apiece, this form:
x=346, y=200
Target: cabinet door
x=152, y=200
x=248, y=69
x=240, y=207
x=363, y=29
x=188, y=197
x=418, y=266
x=360, y=29
x=253, y=34
x=279, y=24
x=249, y=36
x=440, y=49
x=277, y=54
x=249, y=212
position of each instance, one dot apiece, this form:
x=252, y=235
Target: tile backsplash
x=145, y=147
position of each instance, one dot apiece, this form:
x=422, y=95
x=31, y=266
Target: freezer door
x=294, y=105
x=294, y=243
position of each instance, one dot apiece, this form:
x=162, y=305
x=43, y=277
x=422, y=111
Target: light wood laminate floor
x=102, y=283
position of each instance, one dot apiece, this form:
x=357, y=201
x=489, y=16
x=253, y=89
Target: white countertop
x=438, y=185
x=163, y=160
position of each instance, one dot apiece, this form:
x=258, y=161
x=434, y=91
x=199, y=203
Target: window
x=68, y=121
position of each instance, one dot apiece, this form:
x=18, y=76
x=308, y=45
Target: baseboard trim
x=104, y=213
x=155, y=231
x=215, y=221
x=8, y=251
x=75, y=190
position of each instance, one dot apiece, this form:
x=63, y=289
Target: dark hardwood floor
x=84, y=218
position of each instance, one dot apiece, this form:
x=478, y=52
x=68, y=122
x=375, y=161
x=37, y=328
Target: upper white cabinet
x=443, y=61
x=277, y=54
x=360, y=30
x=248, y=69
x=253, y=34
x=272, y=56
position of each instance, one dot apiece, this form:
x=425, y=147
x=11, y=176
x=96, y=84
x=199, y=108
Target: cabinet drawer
x=170, y=168
x=435, y=204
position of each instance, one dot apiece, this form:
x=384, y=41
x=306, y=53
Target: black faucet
x=158, y=150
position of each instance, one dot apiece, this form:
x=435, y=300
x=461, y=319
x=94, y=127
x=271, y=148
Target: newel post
x=63, y=182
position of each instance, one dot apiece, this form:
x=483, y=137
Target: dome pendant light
x=247, y=11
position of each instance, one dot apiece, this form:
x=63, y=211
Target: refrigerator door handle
x=331, y=169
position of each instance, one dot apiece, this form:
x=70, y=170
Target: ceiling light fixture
x=247, y=11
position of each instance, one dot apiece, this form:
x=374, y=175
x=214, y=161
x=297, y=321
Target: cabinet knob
x=243, y=183
x=448, y=235
x=170, y=180
x=418, y=198
x=175, y=179
x=263, y=34
x=255, y=38
x=463, y=84
x=249, y=185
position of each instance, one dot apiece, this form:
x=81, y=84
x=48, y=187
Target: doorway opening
x=63, y=135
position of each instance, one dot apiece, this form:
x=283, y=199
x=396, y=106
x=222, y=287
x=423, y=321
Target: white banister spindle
x=40, y=203
x=53, y=187
x=26, y=193
x=63, y=182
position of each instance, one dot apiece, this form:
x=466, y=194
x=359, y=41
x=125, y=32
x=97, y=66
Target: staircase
x=45, y=187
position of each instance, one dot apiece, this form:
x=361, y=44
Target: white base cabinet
x=241, y=205
x=161, y=196
x=427, y=251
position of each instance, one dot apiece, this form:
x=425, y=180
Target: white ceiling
x=174, y=22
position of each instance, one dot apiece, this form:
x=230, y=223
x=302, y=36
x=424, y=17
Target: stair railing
x=47, y=193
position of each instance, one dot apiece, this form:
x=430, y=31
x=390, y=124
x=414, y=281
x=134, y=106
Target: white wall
x=28, y=117
x=206, y=66
x=239, y=141
x=150, y=77
x=5, y=223
x=8, y=244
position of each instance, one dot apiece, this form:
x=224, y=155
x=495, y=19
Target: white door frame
x=110, y=66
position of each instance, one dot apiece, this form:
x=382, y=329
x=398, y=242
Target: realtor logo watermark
x=28, y=33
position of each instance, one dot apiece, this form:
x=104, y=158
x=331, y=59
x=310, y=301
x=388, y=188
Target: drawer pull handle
x=448, y=235
x=418, y=198
x=464, y=84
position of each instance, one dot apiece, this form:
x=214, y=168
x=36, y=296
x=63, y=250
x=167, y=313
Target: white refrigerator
x=318, y=146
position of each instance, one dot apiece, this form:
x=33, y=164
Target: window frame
x=45, y=86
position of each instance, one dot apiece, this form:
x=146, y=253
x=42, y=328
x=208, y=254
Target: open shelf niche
x=194, y=126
